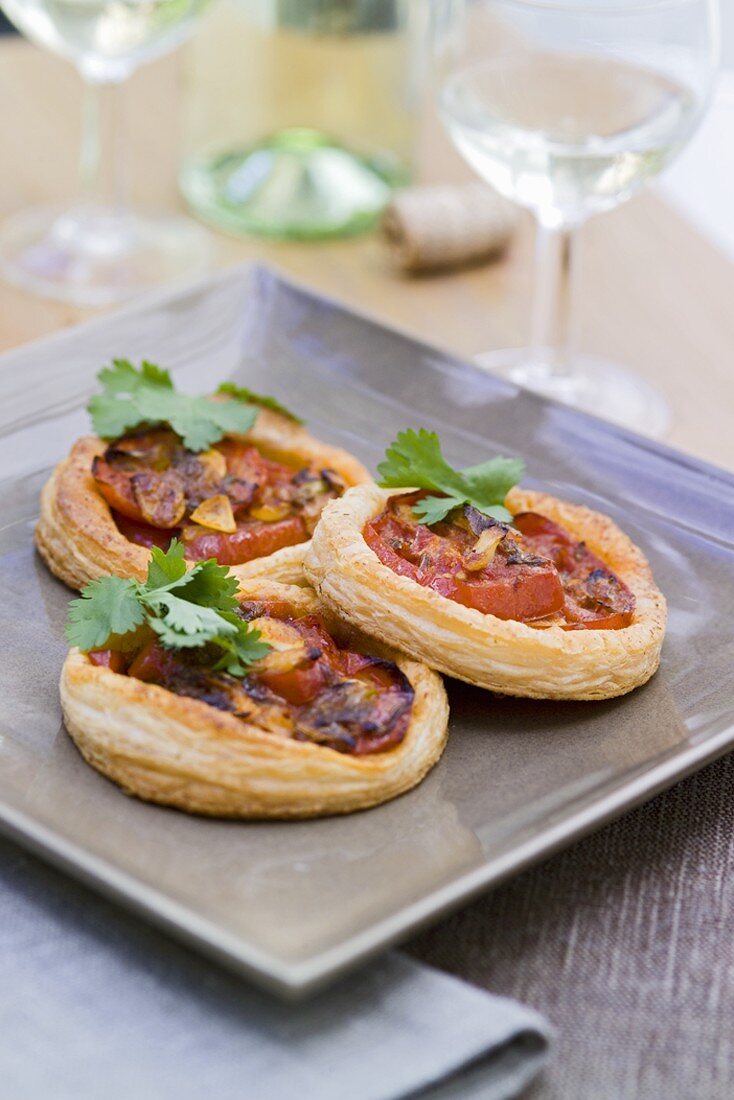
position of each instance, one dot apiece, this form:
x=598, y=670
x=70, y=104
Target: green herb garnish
x=242, y=393
x=415, y=461
x=186, y=608
x=136, y=397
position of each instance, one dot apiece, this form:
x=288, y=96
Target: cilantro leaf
x=242, y=393
x=493, y=478
x=192, y=614
x=185, y=608
x=115, y=411
x=108, y=606
x=166, y=567
x=415, y=461
x=211, y=585
x=179, y=616
x=182, y=625
x=111, y=419
x=241, y=649
x=198, y=420
x=207, y=583
x=154, y=375
x=177, y=639
x=123, y=377
x=134, y=397
x=432, y=510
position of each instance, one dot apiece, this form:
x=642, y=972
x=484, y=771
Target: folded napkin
x=96, y=1004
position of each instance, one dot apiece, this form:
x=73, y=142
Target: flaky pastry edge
x=509, y=657
x=181, y=752
x=79, y=540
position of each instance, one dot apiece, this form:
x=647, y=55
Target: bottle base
x=296, y=185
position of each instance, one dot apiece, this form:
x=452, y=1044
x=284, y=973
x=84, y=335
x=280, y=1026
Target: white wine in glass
x=568, y=108
x=99, y=251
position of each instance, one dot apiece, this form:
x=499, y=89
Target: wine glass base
x=92, y=256
x=296, y=185
x=591, y=384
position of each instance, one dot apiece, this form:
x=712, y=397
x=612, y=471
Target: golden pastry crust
x=79, y=540
x=182, y=752
x=504, y=656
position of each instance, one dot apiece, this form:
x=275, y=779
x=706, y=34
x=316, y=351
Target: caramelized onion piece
x=216, y=513
x=270, y=513
x=481, y=554
x=288, y=646
x=160, y=497
x=214, y=463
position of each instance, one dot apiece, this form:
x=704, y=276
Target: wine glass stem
x=550, y=341
x=102, y=161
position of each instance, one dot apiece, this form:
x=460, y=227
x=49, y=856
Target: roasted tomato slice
x=151, y=452
x=143, y=535
x=509, y=590
x=527, y=595
x=247, y=463
x=153, y=663
x=298, y=685
x=251, y=540
x=544, y=574
x=336, y=698
x=116, y=487
x=108, y=658
x=595, y=598
x=353, y=664
x=378, y=541
x=151, y=481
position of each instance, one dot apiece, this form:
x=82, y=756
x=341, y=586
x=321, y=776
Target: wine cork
x=434, y=227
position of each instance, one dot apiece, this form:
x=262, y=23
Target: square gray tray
x=294, y=905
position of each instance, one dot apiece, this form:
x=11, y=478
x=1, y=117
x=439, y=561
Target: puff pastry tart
x=250, y=499
x=318, y=720
x=550, y=601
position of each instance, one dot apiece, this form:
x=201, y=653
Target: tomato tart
x=249, y=499
x=550, y=600
x=320, y=721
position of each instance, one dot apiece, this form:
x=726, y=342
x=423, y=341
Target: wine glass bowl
x=99, y=251
x=569, y=109
x=105, y=40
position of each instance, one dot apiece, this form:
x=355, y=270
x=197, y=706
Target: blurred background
x=185, y=124
x=727, y=9
x=700, y=183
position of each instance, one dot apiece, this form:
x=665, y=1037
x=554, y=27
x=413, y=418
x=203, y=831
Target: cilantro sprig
x=242, y=393
x=186, y=608
x=134, y=397
x=415, y=460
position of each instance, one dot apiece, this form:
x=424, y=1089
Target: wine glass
x=99, y=252
x=568, y=108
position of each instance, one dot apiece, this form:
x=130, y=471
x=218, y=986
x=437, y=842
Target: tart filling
x=532, y=572
x=231, y=502
x=306, y=688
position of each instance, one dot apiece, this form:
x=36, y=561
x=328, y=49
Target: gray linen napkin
x=96, y=1004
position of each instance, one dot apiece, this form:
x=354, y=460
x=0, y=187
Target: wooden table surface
x=653, y=294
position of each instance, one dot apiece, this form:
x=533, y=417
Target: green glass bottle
x=300, y=114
